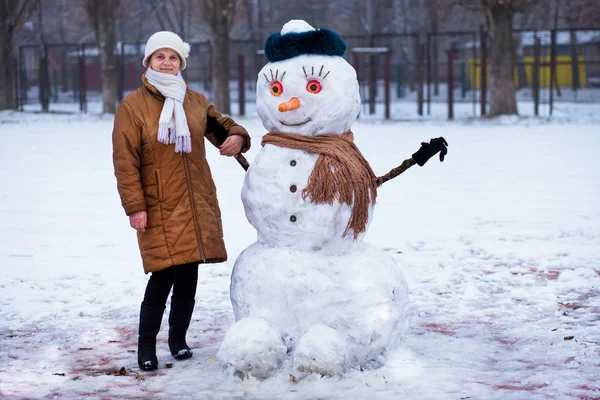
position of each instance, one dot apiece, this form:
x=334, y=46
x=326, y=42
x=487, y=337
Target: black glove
x=430, y=149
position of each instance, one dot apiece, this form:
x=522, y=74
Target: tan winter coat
x=176, y=189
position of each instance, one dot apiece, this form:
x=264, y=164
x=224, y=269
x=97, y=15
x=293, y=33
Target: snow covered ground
x=500, y=244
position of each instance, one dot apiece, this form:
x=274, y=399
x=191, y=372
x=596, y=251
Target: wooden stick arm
x=242, y=161
x=406, y=164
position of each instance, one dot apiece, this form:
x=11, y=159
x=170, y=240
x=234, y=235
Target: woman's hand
x=232, y=145
x=138, y=220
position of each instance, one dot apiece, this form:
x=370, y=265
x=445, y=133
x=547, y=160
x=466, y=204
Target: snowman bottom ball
x=320, y=313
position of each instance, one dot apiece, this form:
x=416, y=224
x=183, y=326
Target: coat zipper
x=191, y=193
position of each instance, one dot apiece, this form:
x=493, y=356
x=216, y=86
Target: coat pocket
x=159, y=186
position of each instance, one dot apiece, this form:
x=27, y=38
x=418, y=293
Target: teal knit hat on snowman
x=298, y=37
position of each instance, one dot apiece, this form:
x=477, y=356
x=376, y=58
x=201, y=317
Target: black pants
x=182, y=278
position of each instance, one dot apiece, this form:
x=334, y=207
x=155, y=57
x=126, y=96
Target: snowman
x=310, y=294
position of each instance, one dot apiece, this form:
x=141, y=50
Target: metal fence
x=405, y=74
x=53, y=74
x=552, y=66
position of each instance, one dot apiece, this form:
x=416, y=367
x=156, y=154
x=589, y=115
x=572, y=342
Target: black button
x=293, y=163
x=293, y=218
x=293, y=188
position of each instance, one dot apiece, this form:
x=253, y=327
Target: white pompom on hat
x=169, y=40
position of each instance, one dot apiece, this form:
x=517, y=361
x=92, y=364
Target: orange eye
x=276, y=88
x=313, y=87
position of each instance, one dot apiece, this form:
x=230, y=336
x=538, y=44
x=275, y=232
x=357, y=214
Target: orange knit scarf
x=341, y=173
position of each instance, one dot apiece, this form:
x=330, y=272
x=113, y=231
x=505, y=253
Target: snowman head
x=307, y=87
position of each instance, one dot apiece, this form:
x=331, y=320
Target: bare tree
x=102, y=15
x=173, y=15
x=219, y=15
x=12, y=14
x=499, y=15
x=64, y=75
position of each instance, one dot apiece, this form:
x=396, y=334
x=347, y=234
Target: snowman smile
x=298, y=124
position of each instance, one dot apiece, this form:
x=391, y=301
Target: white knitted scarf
x=172, y=124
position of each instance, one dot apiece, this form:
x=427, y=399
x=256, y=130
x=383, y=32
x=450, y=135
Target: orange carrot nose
x=290, y=105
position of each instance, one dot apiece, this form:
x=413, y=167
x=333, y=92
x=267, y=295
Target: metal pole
x=472, y=73
x=428, y=52
x=73, y=76
x=434, y=61
x=80, y=68
x=82, y=80
x=356, y=62
x=44, y=79
x=241, y=85
x=450, y=80
x=84, y=87
x=483, y=69
x=16, y=87
x=386, y=80
x=574, y=61
x=535, y=75
x=420, y=82
x=210, y=72
x=552, y=67
x=22, y=79
x=121, y=80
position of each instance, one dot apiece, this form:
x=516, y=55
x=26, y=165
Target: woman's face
x=166, y=61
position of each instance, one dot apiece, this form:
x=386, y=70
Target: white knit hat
x=169, y=40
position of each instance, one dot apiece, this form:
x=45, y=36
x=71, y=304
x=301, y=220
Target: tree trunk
x=221, y=67
x=502, y=61
x=11, y=14
x=106, y=40
x=7, y=89
x=220, y=16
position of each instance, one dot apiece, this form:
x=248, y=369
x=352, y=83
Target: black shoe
x=179, y=321
x=150, y=319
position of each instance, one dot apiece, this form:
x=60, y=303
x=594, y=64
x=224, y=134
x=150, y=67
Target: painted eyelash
x=313, y=72
x=273, y=78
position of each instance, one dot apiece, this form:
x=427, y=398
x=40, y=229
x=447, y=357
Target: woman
x=167, y=190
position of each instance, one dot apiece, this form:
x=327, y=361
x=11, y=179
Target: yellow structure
x=563, y=71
